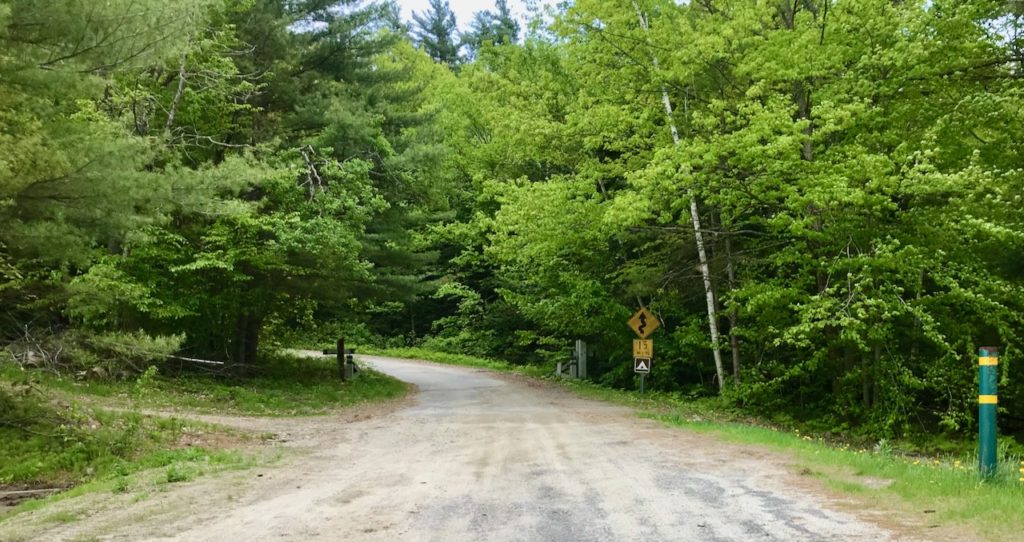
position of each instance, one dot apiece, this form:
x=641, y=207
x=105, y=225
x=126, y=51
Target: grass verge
x=285, y=385
x=59, y=432
x=946, y=488
x=51, y=444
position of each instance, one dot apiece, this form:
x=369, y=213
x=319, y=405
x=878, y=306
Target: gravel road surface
x=478, y=456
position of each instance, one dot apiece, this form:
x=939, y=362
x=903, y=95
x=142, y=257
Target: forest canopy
x=821, y=200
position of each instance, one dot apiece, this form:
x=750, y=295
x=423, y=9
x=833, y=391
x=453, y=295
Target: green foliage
x=203, y=185
x=860, y=215
x=70, y=178
x=491, y=28
x=176, y=473
x=135, y=350
x=435, y=32
x=208, y=179
x=71, y=444
x=47, y=436
x=285, y=385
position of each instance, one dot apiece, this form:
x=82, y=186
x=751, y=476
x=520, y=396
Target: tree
x=805, y=155
x=307, y=179
x=73, y=182
x=698, y=232
x=435, y=32
x=833, y=185
x=489, y=27
x=322, y=157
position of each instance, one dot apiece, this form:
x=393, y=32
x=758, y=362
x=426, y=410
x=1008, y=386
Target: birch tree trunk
x=178, y=93
x=702, y=257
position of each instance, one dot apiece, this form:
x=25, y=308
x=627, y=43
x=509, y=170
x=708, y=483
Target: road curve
x=481, y=457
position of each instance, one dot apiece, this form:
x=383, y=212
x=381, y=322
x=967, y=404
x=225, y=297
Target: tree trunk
x=918, y=325
x=241, y=329
x=176, y=101
x=865, y=382
x=252, y=338
x=247, y=340
x=876, y=367
x=802, y=97
x=869, y=382
x=734, y=340
x=702, y=257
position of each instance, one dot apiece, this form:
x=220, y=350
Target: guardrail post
x=350, y=364
x=341, y=358
x=988, y=402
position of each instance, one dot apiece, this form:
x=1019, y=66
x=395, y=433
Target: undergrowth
x=60, y=432
x=50, y=443
x=283, y=385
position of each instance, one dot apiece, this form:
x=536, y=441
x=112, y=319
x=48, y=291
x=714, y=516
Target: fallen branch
x=29, y=492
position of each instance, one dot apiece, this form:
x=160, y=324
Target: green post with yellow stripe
x=988, y=401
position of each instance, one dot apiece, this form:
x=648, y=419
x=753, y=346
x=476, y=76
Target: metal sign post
x=341, y=358
x=642, y=366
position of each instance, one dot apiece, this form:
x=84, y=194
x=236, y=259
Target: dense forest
x=820, y=199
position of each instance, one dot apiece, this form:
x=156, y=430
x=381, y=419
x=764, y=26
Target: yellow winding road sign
x=644, y=323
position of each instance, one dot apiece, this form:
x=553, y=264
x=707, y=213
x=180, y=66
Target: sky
x=463, y=9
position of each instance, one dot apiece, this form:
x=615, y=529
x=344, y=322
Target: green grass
x=47, y=444
x=947, y=485
x=169, y=466
x=60, y=432
x=62, y=517
x=283, y=386
x=87, y=448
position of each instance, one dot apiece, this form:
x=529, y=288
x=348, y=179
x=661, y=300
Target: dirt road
x=475, y=456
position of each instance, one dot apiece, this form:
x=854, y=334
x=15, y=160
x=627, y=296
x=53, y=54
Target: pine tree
x=73, y=181
x=435, y=32
x=496, y=28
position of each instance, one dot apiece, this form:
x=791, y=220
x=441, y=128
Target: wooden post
x=581, y=358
